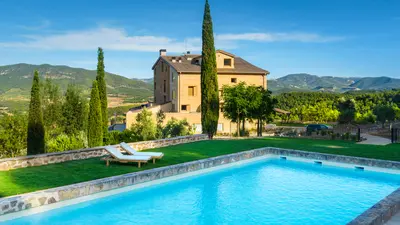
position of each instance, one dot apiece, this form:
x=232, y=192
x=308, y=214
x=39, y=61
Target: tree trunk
x=238, y=127
x=243, y=124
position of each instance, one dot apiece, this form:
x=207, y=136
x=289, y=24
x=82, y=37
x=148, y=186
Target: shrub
x=144, y=129
x=65, y=142
x=175, y=128
x=353, y=137
x=324, y=132
x=244, y=133
x=13, y=135
x=346, y=136
x=333, y=136
x=114, y=137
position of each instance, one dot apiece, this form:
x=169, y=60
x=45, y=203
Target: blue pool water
x=270, y=191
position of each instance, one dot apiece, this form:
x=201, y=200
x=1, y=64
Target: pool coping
x=378, y=214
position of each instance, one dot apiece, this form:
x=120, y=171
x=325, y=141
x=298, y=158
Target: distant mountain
x=307, y=82
x=16, y=80
x=148, y=80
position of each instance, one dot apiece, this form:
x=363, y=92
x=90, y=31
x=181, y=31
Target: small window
x=184, y=107
x=192, y=91
x=227, y=62
x=165, y=86
x=234, y=80
x=173, y=94
x=165, y=98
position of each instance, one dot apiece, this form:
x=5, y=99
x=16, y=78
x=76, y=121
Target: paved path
x=374, y=140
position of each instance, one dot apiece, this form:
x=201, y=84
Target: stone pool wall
x=57, y=157
x=376, y=215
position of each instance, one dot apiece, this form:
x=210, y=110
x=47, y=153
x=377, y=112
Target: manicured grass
x=37, y=178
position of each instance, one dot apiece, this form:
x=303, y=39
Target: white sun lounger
x=132, y=151
x=117, y=156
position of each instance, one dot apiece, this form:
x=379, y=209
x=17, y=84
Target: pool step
x=318, y=162
x=283, y=157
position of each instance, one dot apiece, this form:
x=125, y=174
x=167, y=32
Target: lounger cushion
x=132, y=151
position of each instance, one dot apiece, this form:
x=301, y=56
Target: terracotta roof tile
x=190, y=66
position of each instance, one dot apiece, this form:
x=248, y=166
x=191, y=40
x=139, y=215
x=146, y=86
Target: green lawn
x=37, y=178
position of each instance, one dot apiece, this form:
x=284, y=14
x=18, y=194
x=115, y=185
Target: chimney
x=179, y=59
x=163, y=52
x=173, y=59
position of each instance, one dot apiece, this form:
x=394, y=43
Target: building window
x=227, y=62
x=173, y=94
x=162, y=66
x=192, y=90
x=185, y=107
x=220, y=127
x=165, y=86
x=165, y=98
x=234, y=80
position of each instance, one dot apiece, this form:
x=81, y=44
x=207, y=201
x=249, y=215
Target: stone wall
x=57, y=157
x=376, y=215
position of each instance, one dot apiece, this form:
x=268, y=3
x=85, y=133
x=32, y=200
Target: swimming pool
x=269, y=191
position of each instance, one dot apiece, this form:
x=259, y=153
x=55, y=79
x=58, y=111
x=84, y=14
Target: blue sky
x=328, y=38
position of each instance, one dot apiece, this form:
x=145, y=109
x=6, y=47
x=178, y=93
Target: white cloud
x=119, y=40
x=275, y=37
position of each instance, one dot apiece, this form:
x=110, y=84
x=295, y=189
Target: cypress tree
x=101, y=82
x=95, y=124
x=209, y=79
x=36, y=133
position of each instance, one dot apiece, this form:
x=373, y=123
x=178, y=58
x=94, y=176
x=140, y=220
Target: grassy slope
x=16, y=82
x=37, y=178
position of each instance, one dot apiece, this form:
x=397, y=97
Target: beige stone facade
x=177, y=86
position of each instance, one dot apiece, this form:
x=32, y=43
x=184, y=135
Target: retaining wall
x=57, y=157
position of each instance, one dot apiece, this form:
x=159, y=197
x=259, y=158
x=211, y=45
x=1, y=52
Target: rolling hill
x=16, y=80
x=307, y=82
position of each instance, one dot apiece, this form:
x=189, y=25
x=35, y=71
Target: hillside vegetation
x=16, y=81
x=307, y=82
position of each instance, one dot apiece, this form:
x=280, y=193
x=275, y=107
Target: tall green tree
x=95, y=125
x=52, y=107
x=101, y=82
x=36, y=132
x=385, y=113
x=347, y=109
x=74, y=111
x=144, y=129
x=235, y=103
x=209, y=79
x=261, y=106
